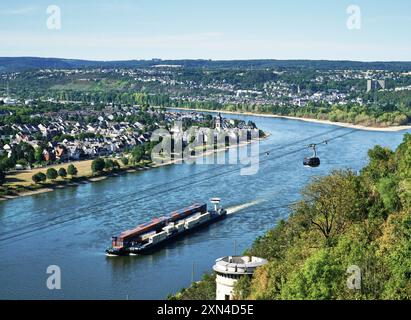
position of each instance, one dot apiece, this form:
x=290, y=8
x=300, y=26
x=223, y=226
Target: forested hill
x=345, y=222
x=10, y=64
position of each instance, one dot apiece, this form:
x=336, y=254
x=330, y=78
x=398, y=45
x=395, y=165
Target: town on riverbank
x=69, y=148
x=90, y=126
x=51, y=116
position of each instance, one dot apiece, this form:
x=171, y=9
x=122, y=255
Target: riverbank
x=34, y=189
x=90, y=215
x=86, y=176
x=341, y=124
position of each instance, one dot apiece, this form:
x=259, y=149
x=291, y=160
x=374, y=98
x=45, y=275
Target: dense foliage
x=202, y=290
x=344, y=222
x=378, y=116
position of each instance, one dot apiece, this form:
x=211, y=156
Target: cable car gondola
x=314, y=160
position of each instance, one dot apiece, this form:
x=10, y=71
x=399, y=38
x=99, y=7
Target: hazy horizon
x=204, y=59
x=229, y=30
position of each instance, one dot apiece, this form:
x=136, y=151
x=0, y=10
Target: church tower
x=219, y=122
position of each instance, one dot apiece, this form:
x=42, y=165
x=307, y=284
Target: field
x=23, y=178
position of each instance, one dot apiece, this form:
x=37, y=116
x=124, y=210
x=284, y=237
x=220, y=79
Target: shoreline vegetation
x=86, y=176
x=344, y=221
x=394, y=128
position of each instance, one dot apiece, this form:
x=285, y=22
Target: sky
x=207, y=29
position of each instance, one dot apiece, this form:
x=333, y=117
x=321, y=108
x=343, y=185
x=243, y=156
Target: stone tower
x=230, y=269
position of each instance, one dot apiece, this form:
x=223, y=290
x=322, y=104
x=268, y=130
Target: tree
x=366, y=222
x=98, y=165
x=381, y=163
x=72, y=170
x=242, y=288
x=203, y=290
x=51, y=174
x=109, y=164
x=38, y=154
x=125, y=161
x=2, y=176
x=39, y=177
x=62, y=173
x=137, y=154
x=7, y=163
x=312, y=280
x=332, y=202
x=23, y=150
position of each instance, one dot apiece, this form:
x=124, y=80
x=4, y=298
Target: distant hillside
x=10, y=64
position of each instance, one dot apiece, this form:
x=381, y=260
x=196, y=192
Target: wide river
x=72, y=227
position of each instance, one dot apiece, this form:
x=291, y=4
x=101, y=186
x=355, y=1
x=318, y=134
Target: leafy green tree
x=388, y=189
x=72, y=170
x=7, y=163
x=109, y=164
x=98, y=165
x=403, y=158
x=137, y=154
x=39, y=177
x=242, y=288
x=332, y=203
x=23, y=151
x=51, y=174
x=381, y=163
x=125, y=161
x=203, y=290
x=38, y=154
x=317, y=279
x=398, y=258
x=62, y=173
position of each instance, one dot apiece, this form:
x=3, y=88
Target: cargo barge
x=151, y=236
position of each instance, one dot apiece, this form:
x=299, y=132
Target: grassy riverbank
x=20, y=183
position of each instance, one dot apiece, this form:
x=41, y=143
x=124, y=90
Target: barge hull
x=151, y=249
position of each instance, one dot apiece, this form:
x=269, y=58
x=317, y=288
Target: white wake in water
x=241, y=207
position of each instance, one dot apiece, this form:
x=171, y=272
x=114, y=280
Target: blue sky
x=208, y=29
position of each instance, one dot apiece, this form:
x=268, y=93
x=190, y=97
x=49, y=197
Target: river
x=72, y=227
